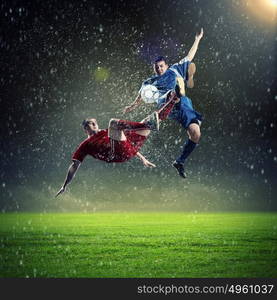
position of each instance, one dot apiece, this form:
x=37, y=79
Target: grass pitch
x=138, y=245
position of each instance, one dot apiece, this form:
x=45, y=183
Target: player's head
x=91, y=126
x=160, y=65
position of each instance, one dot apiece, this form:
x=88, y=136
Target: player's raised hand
x=62, y=190
x=199, y=35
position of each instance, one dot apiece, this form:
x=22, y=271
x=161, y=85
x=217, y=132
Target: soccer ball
x=149, y=93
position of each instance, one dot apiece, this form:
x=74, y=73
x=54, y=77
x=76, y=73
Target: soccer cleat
x=152, y=121
x=180, y=169
x=191, y=72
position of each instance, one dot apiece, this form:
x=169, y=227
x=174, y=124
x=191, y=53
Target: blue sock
x=188, y=148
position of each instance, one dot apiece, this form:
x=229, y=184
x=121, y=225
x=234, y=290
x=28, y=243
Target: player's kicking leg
x=117, y=127
x=151, y=122
x=154, y=119
x=167, y=107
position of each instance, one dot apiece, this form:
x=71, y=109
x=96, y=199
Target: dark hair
x=85, y=123
x=160, y=58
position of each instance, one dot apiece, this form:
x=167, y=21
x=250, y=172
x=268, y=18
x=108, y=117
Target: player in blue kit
x=176, y=78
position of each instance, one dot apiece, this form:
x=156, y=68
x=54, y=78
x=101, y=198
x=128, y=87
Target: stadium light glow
x=263, y=10
x=273, y=2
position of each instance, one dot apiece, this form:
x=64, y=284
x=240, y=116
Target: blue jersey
x=167, y=82
x=183, y=112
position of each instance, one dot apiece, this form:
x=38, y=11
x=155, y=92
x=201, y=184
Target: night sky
x=63, y=61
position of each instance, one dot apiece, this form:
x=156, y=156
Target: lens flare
x=101, y=74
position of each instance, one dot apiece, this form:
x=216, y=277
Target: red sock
x=165, y=110
x=129, y=125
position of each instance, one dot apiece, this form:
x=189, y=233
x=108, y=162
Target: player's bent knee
x=115, y=134
x=195, y=134
x=113, y=123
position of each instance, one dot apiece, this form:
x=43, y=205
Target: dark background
x=62, y=61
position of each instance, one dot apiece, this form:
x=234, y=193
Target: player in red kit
x=119, y=143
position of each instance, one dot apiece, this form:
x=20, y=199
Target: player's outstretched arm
x=194, y=47
x=146, y=162
x=70, y=175
x=135, y=104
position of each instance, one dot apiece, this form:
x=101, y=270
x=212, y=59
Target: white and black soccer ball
x=149, y=93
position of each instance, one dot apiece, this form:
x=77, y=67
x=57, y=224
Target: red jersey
x=100, y=146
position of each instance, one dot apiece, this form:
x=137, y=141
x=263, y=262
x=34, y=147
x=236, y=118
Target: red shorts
x=124, y=150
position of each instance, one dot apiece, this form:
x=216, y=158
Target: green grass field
x=138, y=245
